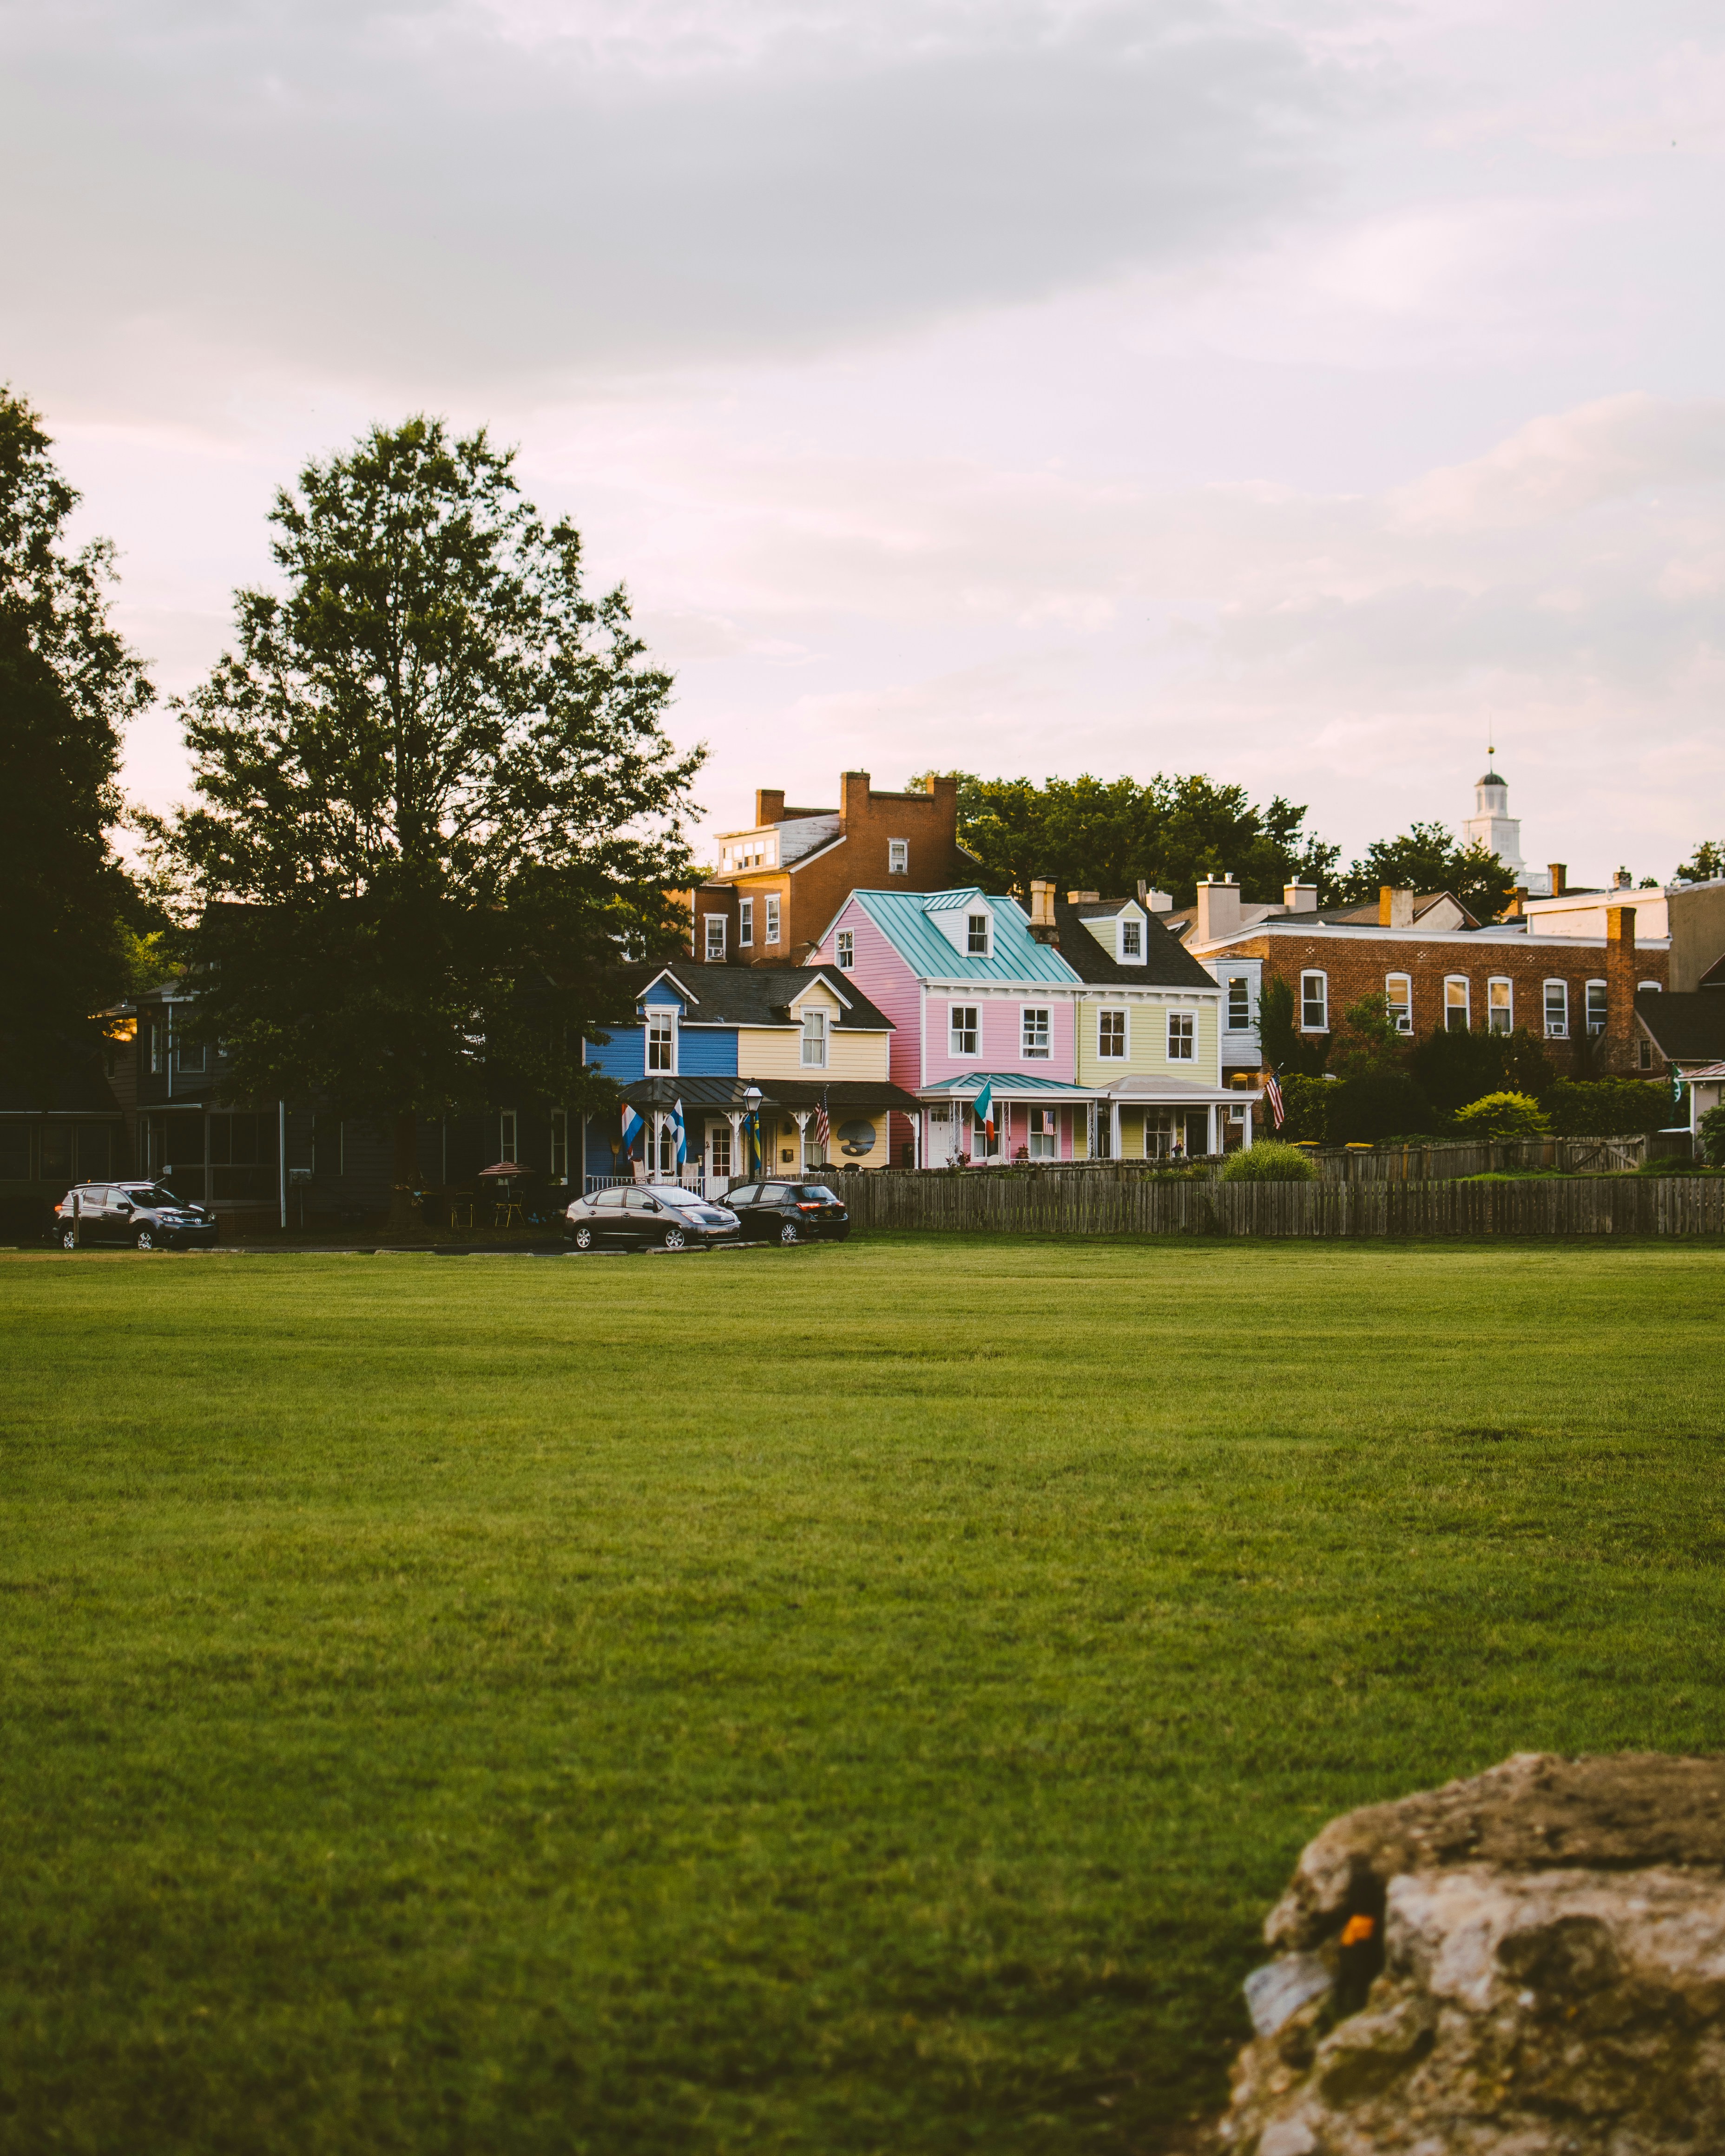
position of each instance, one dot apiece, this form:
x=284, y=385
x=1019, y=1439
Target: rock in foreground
x=1530, y=1962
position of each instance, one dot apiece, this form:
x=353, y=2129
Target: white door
x=718, y=1158
x=942, y=1124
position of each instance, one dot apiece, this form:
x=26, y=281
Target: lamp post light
x=751, y=1102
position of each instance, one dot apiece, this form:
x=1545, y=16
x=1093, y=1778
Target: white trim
x=1592, y=1032
x=1123, y=1013
x=1406, y=1008
x=1168, y=1055
x=1464, y=982
x=955, y=1053
x=1554, y=981
x=1045, y=1054
x=1500, y=981
x=1314, y=973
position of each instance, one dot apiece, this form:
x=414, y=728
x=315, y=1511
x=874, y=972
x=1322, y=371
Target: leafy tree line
x=73, y=917
x=436, y=798
x=1106, y=835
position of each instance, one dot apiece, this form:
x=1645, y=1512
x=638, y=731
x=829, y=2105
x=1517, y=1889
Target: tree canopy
x=1427, y=858
x=436, y=800
x=68, y=687
x=1090, y=833
x=1704, y=866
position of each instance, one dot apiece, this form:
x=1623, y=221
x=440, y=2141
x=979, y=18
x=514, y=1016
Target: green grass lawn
x=839, y=1700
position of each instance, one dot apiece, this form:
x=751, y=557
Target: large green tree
x=1106, y=834
x=1427, y=858
x=437, y=799
x=1704, y=866
x=68, y=685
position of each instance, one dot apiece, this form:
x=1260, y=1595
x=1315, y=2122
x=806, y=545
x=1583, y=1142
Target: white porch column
x=1209, y=1130
x=802, y=1117
x=1114, y=1130
x=734, y=1117
x=1245, y=1136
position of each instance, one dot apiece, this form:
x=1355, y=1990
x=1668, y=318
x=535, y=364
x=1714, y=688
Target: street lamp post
x=751, y=1102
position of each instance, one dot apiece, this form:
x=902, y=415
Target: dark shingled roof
x=843, y=1095
x=756, y=995
x=1684, y=1029
x=1166, y=965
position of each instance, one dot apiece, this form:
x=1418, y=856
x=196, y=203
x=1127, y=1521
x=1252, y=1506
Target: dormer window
x=815, y=1041
x=977, y=943
x=1131, y=939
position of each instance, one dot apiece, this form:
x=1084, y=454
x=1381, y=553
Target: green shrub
x=1269, y=1160
x=1452, y=1068
x=1366, y=1107
x=1306, y=1102
x=1608, y=1107
x=1712, y=1127
x=1502, y=1116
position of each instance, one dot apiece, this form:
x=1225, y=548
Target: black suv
x=147, y=1215
x=789, y=1213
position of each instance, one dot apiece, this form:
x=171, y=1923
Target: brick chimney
x=1084, y=897
x=1218, y=909
x=1300, y=898
x=1619, y=986
x=769, y=804
x=1518, y=904
x=1042, y=902
x=853, y=796
x=1395, y=908
x=1559, y=874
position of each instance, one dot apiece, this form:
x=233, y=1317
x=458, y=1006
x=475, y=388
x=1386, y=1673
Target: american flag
x=1272, y=1094
x=823, y=1128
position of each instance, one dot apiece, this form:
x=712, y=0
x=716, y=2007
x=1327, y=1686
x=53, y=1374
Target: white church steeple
x=1492, y=825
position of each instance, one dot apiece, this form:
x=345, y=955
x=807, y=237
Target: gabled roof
x=902, y=916
x=1685, y=1027
x=841, y=1095
x=1014, y=1082
x=1166, y=964
x=759, y=995
x=955, y=901
x=1714, y=977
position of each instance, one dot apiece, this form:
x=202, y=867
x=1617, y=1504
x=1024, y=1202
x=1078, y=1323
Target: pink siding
x=887, y=981
x=1001, y=1021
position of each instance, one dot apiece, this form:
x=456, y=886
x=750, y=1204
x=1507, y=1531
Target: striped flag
x=681, y=1135
x=631, y=1127
x=985, y=1109
x=1272, y=1094
x=823, y=1127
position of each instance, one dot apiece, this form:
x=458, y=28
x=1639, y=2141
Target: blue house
x=805, y=1038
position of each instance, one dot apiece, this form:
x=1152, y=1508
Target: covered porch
x=739, y=1126
x=1145, y=1117
x=1034, y=1119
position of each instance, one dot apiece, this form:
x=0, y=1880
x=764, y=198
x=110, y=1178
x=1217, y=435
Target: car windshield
x=157, y=1194
x=672, y=1193
x=819, y=1193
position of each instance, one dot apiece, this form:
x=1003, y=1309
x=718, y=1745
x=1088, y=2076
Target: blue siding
x=662, y=991
x=706, y=1051
x=623, y=1057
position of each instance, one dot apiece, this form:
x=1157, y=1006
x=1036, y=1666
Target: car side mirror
x=122, y=1207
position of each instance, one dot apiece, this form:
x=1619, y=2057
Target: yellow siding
x=1147, y=1039
x=776, y=1053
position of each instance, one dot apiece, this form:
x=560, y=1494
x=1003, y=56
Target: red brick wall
x=1357, y=964
x=810, y=896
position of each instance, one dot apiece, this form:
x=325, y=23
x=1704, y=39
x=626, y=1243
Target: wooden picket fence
x=1005, y=1202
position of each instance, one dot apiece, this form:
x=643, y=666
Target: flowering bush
x=1502, y=1116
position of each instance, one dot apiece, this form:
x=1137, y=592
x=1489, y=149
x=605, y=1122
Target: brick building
x=1575, y=994
x=782, y=881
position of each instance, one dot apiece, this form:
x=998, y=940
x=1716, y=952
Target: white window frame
x=1656, y=986
x=1183, y=1036
x=1603, y=1001
x=898, y=857
x=1558, y=1029
x=1465, y=1006
x=1035, y=1033
x=1130, y=926
x=814, y=1038
x=744, y=924
x=509, y=1141
x=1105, y=1053
x=560, y=1145
x=957, y=1028
x=1243, y=981
x=715, y=942
x=1321, y=999
x=773, y=918
x=847, y=950
x=1506, y=1004
x=661, y=1028
x=977, y=938
x=1043, y=1139
x=1400, y=1008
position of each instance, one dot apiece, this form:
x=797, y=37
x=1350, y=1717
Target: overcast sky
x=1299, y=391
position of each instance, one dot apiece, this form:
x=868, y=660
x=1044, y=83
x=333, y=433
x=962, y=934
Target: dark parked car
x=647, y=1215
x=147, y=1215
x=789, y=1213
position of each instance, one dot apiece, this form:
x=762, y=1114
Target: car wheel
x=790, y=1233
x=68, y=1238
x=145, y=1240
x=582, y=1237
x=674, y=1239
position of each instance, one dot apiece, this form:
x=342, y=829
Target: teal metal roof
x=902, y=918
x=1007, y=1081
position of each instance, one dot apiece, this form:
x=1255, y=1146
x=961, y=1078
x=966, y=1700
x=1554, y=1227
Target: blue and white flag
x=681, y=1134
x=633, y=1128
